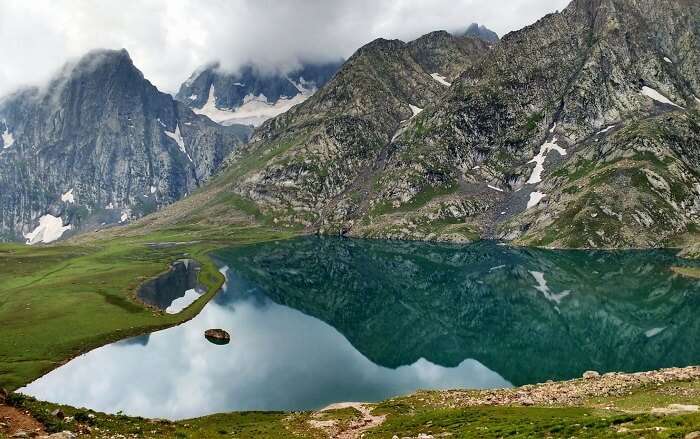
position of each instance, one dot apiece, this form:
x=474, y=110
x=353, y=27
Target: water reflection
x=321, y=320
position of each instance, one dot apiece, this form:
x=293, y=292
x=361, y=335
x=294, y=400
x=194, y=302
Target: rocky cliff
x=250, y=95
x=99, y=145
x=580, y=130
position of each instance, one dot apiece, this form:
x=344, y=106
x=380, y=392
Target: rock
x=20, y=433
x=693, y=435
x=58, y=413
x=217, y=336
x=3, y=395
x=527, y=401
x=590, y=374
x=62, y=435
x=675, y=409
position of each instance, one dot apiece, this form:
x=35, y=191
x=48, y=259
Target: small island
x=217, y=336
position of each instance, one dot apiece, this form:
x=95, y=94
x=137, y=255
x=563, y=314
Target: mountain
x=587, y=121
x=250, y=96
x=480, y=31
x=99, y=144
x=311, y=164
x=581, y=130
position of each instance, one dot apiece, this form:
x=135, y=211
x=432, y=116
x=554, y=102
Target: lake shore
x=662, y=403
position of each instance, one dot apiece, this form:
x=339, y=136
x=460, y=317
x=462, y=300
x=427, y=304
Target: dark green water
x=321, y=320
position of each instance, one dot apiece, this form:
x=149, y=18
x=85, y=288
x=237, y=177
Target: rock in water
x=217, y=336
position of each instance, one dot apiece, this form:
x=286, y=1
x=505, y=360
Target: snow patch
x=544, y=289
x=441, y=79
x=655, y=95
x=539, y=159
x=68, y=197
x=50, y=229
x=193, y=97
x=125, y=216
x=153, y=189
x=605, y=130
x=668, y=60
x=254, y=111
x=654, y=331
x=183, y=302
x=177, y=137
x=416, y=110
x=495, y=188
x=7, y=139
x=554, y=127
x=535, y=198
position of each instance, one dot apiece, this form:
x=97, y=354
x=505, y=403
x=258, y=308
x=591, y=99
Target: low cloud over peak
x=168, y=40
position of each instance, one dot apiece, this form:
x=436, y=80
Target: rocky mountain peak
x=99, y=145
x=480, y=31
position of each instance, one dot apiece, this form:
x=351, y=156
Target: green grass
x=530, y=422
x=271, y=425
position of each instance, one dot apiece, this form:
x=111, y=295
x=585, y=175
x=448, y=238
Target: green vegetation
x=435, y=413
x=419, y=200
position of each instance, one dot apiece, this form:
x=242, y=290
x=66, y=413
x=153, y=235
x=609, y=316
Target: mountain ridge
x=451, y=173
x=98, y=145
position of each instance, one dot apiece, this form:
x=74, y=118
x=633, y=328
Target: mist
x=168, y=40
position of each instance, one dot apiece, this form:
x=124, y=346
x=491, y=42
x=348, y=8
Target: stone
x=58, y=413
x=692, y=435
x=217, y=336
x=675, y=409
x=527, y=401
x=590, y=374
x=63, y=435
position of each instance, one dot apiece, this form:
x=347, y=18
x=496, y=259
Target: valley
x=457, y=234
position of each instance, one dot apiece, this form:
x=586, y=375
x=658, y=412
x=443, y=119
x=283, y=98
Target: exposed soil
x=351, y=430
x=13, y=420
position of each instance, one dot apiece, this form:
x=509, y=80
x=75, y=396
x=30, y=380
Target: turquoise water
x=320, y=320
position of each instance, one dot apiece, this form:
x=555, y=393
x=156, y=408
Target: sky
x=169, y=39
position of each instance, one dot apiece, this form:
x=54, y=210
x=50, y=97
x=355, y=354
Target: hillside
x=580, y=130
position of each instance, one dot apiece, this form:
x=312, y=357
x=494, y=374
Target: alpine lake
x=320, y=320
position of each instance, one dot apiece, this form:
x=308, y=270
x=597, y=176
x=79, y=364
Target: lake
x=318, y=320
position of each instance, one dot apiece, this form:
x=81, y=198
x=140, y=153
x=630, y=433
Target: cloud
x=169, y=39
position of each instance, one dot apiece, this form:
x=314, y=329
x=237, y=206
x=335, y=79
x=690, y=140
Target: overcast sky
x=168, y=39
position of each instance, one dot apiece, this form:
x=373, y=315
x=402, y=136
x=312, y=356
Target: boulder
x=590, y=374
x=217, y=336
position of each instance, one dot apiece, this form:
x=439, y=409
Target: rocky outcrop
x=100, y=145
x=480, y=31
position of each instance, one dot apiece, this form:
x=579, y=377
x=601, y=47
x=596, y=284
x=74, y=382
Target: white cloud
x=169, y=39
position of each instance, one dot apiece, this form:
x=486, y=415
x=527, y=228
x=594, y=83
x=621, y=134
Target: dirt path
x=352, y=430
x=13, y=421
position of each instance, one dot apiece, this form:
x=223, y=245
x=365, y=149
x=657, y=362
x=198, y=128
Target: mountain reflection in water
x=320, y=320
